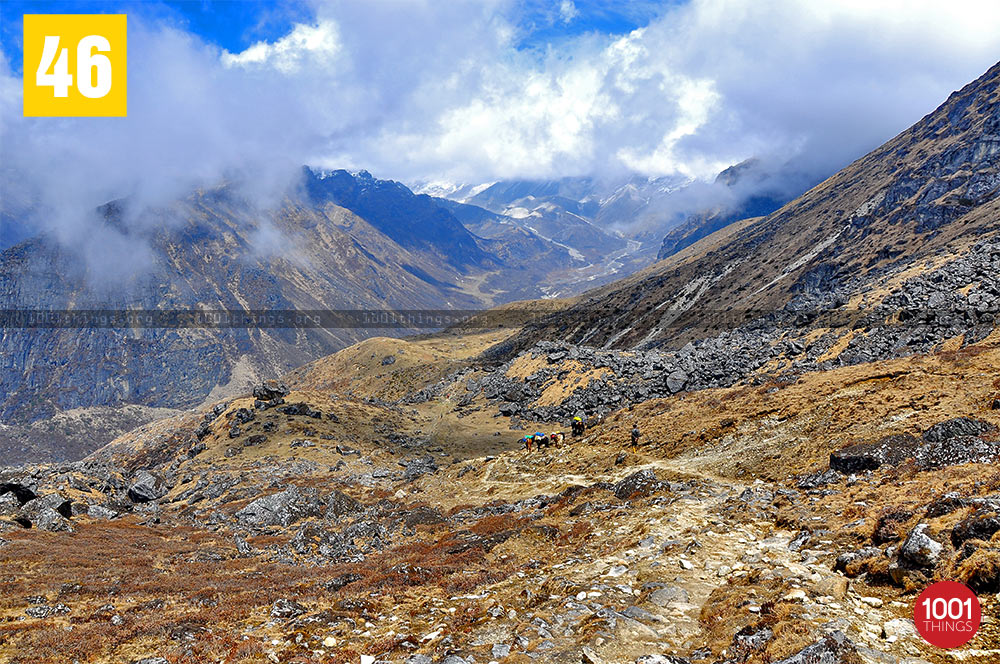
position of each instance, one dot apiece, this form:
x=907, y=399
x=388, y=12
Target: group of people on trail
x=538, y=440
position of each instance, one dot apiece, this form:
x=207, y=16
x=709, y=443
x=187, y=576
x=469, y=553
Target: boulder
x=834, y=648
x=52, y=521
x=286, y=608
x=301, y=409
x=670, y=594
x=418, y=467
x=980, y=527
x=959, y=426
x=340, y=504
x=22, y=492
x=270, y=390
x=638, y=485
x=282, y=509
x=919, y=548
x=9, y=504
x=956, y=450
x=53, y=501
x=313, y=539
x=676, y=381
x=147, y=487
x=891, y=451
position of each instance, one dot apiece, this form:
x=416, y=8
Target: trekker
x=636, y=434
x=541, y=440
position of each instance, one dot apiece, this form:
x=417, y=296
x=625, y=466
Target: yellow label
x=74, y=65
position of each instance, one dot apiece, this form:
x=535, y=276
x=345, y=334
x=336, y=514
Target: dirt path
x=655, y=566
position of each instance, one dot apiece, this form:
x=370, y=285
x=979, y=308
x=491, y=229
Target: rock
x=873, y=602
x=286, y=608
x=388, y=360
x=919, y=549
x=418, y=659
x=21, y=490
x=147, y=487
x=899, y=628
x=980, y=527
x=313, y=538
x=891, y=450
x=301, y=409
x=676, y=381
x=150, y=660
x=270, y=390
x=817, y=480
x=959, y=426
x=588, y=656
x=500, y=650
x=422, y=516
x=662, y=659
x=256, y=439
x=339, y=504
x=669, y=595
x=799, y=540
x=834, y=648
x=638, y=485
x=9, y=504
x=282, y=509
x=845, y=560
x=52, y=521
x=341, y=581
x=31, y=510
x=832, y=586
x=417, y=467
x=956, y=450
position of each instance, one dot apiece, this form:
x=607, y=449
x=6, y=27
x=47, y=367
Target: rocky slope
x=928, y=196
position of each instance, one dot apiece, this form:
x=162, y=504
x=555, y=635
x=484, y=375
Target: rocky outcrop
x=282, y=509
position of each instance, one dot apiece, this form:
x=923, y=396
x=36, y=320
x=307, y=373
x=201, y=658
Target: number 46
x=60, y=78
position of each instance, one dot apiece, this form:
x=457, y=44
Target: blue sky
x=236, y=24
x=231, y=24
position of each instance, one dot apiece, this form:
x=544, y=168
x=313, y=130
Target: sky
x=476, y=91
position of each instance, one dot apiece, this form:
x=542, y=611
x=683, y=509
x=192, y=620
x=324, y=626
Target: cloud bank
x=424, y=90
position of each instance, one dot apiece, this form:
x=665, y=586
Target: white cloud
x=568, y=11
x=428, y=90
x=317, y=42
